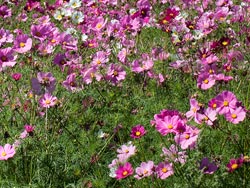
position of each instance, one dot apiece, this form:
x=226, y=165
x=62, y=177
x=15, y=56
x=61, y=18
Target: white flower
x=84, y=37
x=66, y=12
x=112, y=172
x=77, y=17
x=71, y=31
x=74, y=4
x=58, y=15
x=198, y=34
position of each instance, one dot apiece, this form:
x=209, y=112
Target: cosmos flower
x=6, y=152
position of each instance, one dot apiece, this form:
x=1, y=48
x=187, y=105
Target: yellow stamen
x=234, y=116
x=224, y=43
x=125, y=173
x=164, y=170
x=214, y=105
x=137, y=133
x=170, y=126
x=234, y=166
x=205, y=81
x=115, y=73
x=53, y=41
x=22, y=44
x=99, y=25
x=4, y=153
x=187, y=136
x=225, y=103
x=47, y=101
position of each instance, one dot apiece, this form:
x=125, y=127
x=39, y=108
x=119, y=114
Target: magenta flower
x=22, y=44
x=100, y=59
x=47, y=101
x=164, y=170
x=16, y=76
x=5, y=37
x=236, y=115
x=144, y=170
x=6, y=152
x=207, y=167
x=29, y=128
x=235, y=164
x=172, y=154
x=138, y=131
x=90, y=74
x=41, y=32
x=124, y=171
x=226, y=102
x=98, y=24
x=61, y=61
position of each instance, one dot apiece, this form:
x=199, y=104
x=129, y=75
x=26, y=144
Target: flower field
x=124, y=93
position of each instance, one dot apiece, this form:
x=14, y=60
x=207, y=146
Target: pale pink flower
x=126, y=151
x=164, y=170
x=6, y=152
x=47, y=101
x=236, y=115
x=144, y=170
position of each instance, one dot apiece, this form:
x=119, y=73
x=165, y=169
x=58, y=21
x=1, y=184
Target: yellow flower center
x=191, y=27
x=137, y=133
x=53, y=41
x=99, y=25
x=145, y=172
x=225, y=103
x=187, y=136
x=234, y=166
x=234, y=116
x=22, y=44
x=170, y=126
x=59, y=17
x=164, y=21
x=205, y=81
x=171, y=14
x=92, y=75
x=224, y=43
x=194, y=109
x=211, y=71
x=91, y=44
x=214, y=105
x=204, y=55
x=4, y=153
x=126, y=151
x=206, y=118
x=164, y=170
x=115, y=73
x=47, y=101
x=98, y=62
x=125, y=173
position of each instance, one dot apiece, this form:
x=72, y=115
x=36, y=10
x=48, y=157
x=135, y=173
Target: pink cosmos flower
x=187, y=139
x=207, y=167
x=7, y=59
x=5, y=37
x=164, y=170
x=126, y=151
x=100, y=59
x=209, y=116
x=226, y=102
x=122, y=55
x=5, y=11
x=193, y=112
x=70, y=82
x=23, y=43
x=61, y=61
x=98, y=24
x=168, y=125
x=146, y=169
x=236, y=115
x=6, y=152
x=90, y=74
x=172, y=154
x=124, y=171
x=138, y=131
x=145, y=65
x=41, y=32
x=115, y=73
x=205, y=81
x=47, y=101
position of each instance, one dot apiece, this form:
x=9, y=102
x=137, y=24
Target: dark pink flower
x=6, y=152
x=7, y=59
x=29, y=128
x=138, y=131
x=124, y=171
x=16, y=76
x=226, y=102
x=70, y=82
x=235, y=164
x=5, y=12
x=115, y=73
